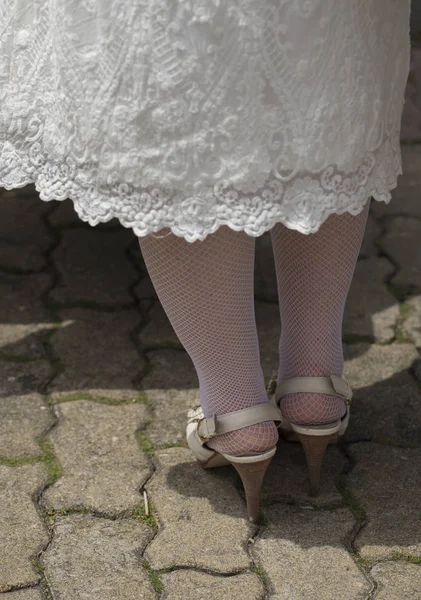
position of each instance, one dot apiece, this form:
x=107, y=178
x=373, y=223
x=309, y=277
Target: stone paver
x=412, y=324
x=103, y=466
x=18, y=378
x=97, y=353
x=269, y=330
x=22, y=420
x=158, y=330
x=401, y=243
x=387, y=400
x=287, y=476
x=201, y=514
x=172, y=388
x=371, y=310
x=264, y=270
x=93, y=267
x=406, y=198
x=191, y=585
x=26, y=594
x=97, y=558
x=303, y=552
x=22, y=531
x=64, y=215
x=386, y=482
x=24, y=320
x=397, y=581
x=372, y=232
x=24, y=237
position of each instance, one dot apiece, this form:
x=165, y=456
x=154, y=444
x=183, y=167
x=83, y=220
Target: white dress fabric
x=192, y=114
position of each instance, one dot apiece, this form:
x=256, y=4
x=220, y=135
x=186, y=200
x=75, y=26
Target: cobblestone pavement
x=94, y=391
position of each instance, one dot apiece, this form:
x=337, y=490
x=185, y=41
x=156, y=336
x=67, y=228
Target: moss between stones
x=54, y=470
x=18, y=358
x=20, y=461
x=36, y=563
x=137, y=399
x=145, y=443
x=154, y=577
x=416, y=560
x=349, y=499
x=150, y=520
x=262, y=576
x=364, y=563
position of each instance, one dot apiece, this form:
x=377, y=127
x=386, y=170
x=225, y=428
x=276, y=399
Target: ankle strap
x=217, y=424
x=332, y=385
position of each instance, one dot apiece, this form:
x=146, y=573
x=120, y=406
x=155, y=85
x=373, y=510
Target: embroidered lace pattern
x=191, y=114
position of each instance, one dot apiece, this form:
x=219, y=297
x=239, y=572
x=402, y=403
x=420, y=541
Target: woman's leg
x=206, y=289
x=314, y=273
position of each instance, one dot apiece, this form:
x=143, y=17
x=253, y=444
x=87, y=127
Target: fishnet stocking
x=314, y=273
x=206, y=289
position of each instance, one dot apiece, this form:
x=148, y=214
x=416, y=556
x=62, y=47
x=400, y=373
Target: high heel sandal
x=314, y=438
x=250, y=467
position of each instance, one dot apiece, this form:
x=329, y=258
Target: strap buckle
x=342, y=388
x=206, y=428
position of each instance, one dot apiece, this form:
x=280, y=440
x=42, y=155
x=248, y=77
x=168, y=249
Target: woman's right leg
x=206, y=289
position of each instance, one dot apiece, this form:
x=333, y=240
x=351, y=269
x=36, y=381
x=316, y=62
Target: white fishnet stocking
x=314, y=273
x=206, y=289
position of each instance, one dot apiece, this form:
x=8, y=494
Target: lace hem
x=302, y=204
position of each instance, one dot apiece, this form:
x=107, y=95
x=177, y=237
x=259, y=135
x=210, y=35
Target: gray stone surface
x=401, y=243
x=22, y=531
x=93, y=267
x=191, y=585
x=303, y=553
x=269, y=330
x=24, y=320
x=64, y=215
x=287, y=476
x=97, y=353
x=103, y=466
x=264, y=270
x=386, y=482
x=406, y=198
x=397, y=581
x=172, y=388
x=18, y=378
x=22, y=420
x=371, y=310
x=158, y=331
x=25, y=594
x=387, y=400
x=412, y=324
x=24, y=237
x=372, y=232
x=97, y=558
x=201, y=513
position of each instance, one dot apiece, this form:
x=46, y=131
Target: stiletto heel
x=251, y=467
x=252, y=475
x=314, y=449
x=314, y=438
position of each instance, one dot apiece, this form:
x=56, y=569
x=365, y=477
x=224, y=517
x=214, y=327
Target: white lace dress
x=191, y=114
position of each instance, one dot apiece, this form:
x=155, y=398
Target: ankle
x=253, y=439
x=312, y=409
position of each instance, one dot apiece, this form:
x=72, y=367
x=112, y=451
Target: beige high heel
x=251, y=467
x=314, y=438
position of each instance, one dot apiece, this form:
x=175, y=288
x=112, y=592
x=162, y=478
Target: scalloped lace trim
x=303, y=203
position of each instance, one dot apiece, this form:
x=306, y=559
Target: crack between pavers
x=360, y=517
x=19, y=588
